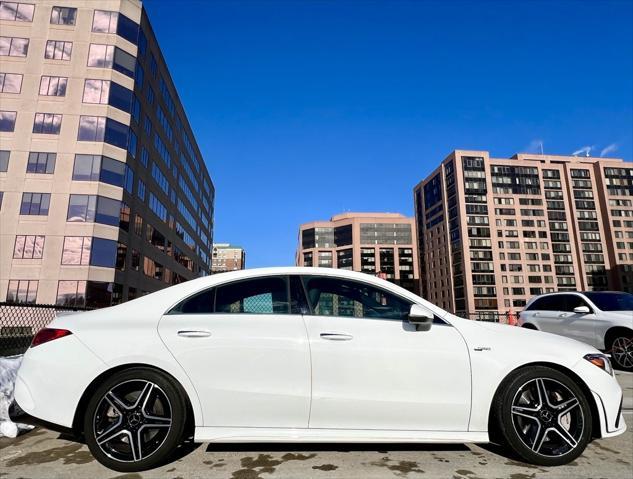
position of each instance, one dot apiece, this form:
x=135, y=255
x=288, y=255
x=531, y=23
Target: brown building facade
x=227, y=257
x=495, y=232
x=375, y=243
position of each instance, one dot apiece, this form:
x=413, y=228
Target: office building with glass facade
x=104, y=194
x=381, y=244
x=492, y=233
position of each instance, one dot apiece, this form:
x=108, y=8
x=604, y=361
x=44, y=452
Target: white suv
x=603, y=319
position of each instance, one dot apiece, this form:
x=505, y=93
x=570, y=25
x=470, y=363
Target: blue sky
x=305, y=109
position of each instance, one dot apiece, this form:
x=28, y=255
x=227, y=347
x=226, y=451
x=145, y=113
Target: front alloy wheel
x=544, y=416
x=134, y=420
x=622, y=352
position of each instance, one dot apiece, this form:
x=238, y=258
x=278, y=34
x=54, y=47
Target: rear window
x=547, y=303
x=199, y=303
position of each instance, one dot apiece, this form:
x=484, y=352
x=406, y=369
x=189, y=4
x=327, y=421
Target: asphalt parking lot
x=44, y=454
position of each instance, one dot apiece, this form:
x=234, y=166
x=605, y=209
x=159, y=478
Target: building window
x=100, y=56
x=98, y=168
x=128, y=183
x=132, y=144
x=71, y=293
x=135, y=261
x=28, y=247
x=63, y=16
x=160, y=179
x=22, y=291
x=109, y=56
x=140, y=192
x=4, y=160
x=103, y=253
x=157, y=207
x=58, y=50
x=96, y=91
x=121, y=254
x=139, y=75
x=76, y=250
x=7, y=121
x=53, y=86
x=106, y=92
x=19, y=12
x=41, y=162
x=14, y=47
x=114, y=22
x=47, y=123
x=10, y=83
x=35, y=204
x=104, y=22
x=144, y=157
x=100, y=128
x=91, y=208
x=149, y=95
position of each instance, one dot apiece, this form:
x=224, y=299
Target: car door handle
x=194, y=333
x=336, y=336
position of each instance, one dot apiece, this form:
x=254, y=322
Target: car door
x=545, y=313
x=579, y=326
x=371, y=368
x=246, y=355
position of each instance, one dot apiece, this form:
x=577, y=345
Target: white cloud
x=584, y=150
x=535, y=146
x=608, y=149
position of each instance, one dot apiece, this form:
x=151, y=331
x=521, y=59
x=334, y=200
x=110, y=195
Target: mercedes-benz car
x=309, y=355
x=603, y=319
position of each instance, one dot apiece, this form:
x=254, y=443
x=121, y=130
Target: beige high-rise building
x=495, y=232
x=227, y=257
x=375, y=243
x=104, y=194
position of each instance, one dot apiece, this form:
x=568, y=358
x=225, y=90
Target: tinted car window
x=547, y=303
x=298, y=301
x=340, y=297
x=254, y=296
x=611, y=301
x=572, y=301
x=199, y=303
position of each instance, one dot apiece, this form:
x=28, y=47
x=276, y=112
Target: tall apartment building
x=104, y=194
x=375, y=243
x=495, y=232
x=227, y=257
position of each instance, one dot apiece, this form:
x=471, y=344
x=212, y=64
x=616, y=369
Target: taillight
x=48, y=334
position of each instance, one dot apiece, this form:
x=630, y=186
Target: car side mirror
x=421, y=317
x=582, y=310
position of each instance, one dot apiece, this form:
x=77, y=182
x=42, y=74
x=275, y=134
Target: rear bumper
x=17, y=415
x=52, y=379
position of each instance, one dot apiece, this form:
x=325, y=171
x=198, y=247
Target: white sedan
x=603, y=319
x=309, y=355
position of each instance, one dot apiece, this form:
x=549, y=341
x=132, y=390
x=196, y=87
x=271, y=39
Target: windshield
x=612, y=301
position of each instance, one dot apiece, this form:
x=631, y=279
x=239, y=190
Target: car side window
x=340, y=297
x=546, y=303
x=573, y=301
x=199, y=303
x=253, y=296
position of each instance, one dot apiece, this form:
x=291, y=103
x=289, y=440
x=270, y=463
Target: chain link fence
x=20, y=322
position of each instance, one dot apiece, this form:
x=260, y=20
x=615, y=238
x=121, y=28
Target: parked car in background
x=603, y=319
x=310, y=355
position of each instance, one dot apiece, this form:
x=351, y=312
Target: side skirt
x=263, y=434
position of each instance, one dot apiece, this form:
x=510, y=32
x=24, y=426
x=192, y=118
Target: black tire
x=537, y=434
x=113, y=415
x=529, y=326
x=621, y=349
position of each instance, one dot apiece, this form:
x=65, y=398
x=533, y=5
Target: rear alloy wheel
x=135, y=420
x=544, y=416
x=622, y=352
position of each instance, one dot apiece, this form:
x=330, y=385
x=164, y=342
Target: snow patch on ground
x=8, y=372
